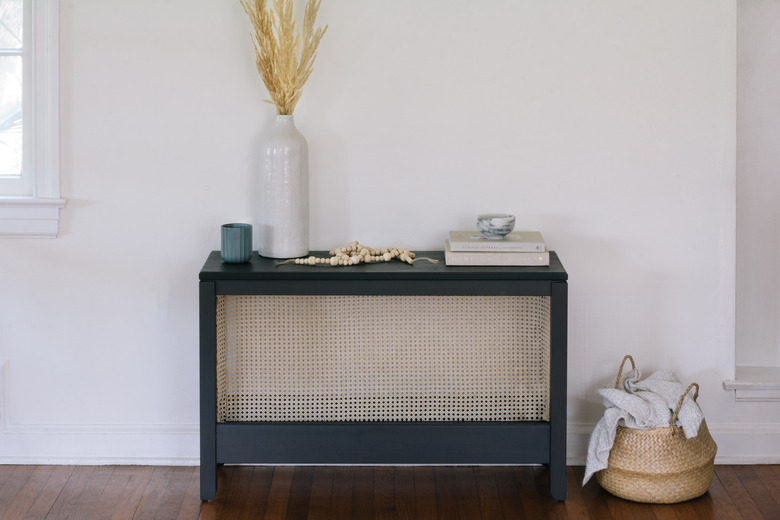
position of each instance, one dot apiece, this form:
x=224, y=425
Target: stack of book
x=517, y=248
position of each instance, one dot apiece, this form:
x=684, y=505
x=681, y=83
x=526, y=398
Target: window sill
x=755, y=384
x=27, y=217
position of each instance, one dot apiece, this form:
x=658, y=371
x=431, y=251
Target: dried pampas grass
x=284, y=57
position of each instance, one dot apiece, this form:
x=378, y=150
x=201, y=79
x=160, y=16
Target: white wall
x=608, y=125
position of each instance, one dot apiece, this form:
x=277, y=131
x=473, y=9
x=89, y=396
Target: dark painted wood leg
x=208, y=391
x=558, y=374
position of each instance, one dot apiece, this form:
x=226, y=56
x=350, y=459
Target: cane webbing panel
x=383, y=358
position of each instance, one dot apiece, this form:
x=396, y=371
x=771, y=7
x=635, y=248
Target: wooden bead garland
x=355, y=253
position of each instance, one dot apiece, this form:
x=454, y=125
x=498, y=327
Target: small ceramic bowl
x=495, y=225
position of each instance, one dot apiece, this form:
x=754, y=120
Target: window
x=30, y=200
x=11, y=78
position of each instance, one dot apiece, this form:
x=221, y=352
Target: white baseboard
x=179, y=444
x=98, y=461
x=98, y=444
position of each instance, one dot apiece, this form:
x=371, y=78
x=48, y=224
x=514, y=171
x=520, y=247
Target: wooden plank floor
x=249, y=492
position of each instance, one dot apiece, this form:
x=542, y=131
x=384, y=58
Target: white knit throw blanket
x=648, y=403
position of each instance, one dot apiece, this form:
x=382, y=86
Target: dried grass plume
x=284, y=56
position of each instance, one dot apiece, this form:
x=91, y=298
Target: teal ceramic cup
x=236, y=243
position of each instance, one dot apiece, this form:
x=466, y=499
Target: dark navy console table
x=230, y=441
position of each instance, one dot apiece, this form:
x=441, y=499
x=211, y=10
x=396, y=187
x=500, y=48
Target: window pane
x=11, y=23
x=10, y=115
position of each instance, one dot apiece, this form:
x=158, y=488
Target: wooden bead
x=355, y=253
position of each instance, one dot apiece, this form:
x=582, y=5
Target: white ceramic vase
x=284, y=192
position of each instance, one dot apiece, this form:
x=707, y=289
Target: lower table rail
x=379, y=443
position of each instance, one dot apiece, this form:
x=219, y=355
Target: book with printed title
x=486, y=258
x=521, y=241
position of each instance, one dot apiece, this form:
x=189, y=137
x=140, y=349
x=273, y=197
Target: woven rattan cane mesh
x=383, y=358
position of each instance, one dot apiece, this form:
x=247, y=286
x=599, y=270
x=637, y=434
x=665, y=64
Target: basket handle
x=620, y=372
x=680, y=402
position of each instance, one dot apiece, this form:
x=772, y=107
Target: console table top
x=260, y=268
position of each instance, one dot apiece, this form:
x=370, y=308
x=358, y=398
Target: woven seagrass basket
x=659, y=465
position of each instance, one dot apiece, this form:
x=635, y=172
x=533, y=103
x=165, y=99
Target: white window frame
x=38, y=214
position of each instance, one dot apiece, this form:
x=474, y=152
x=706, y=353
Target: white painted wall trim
x=755, y=384
x=26, y=217
x=46, y=96
x=99, y=444
x=4, y=390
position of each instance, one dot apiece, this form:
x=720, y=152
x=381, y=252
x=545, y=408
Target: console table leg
x=558, y=481
x=558, y=361
x=208, y=392
x=208, y=482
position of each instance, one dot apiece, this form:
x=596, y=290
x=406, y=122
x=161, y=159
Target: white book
x=514, y=241
x=518, y=258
